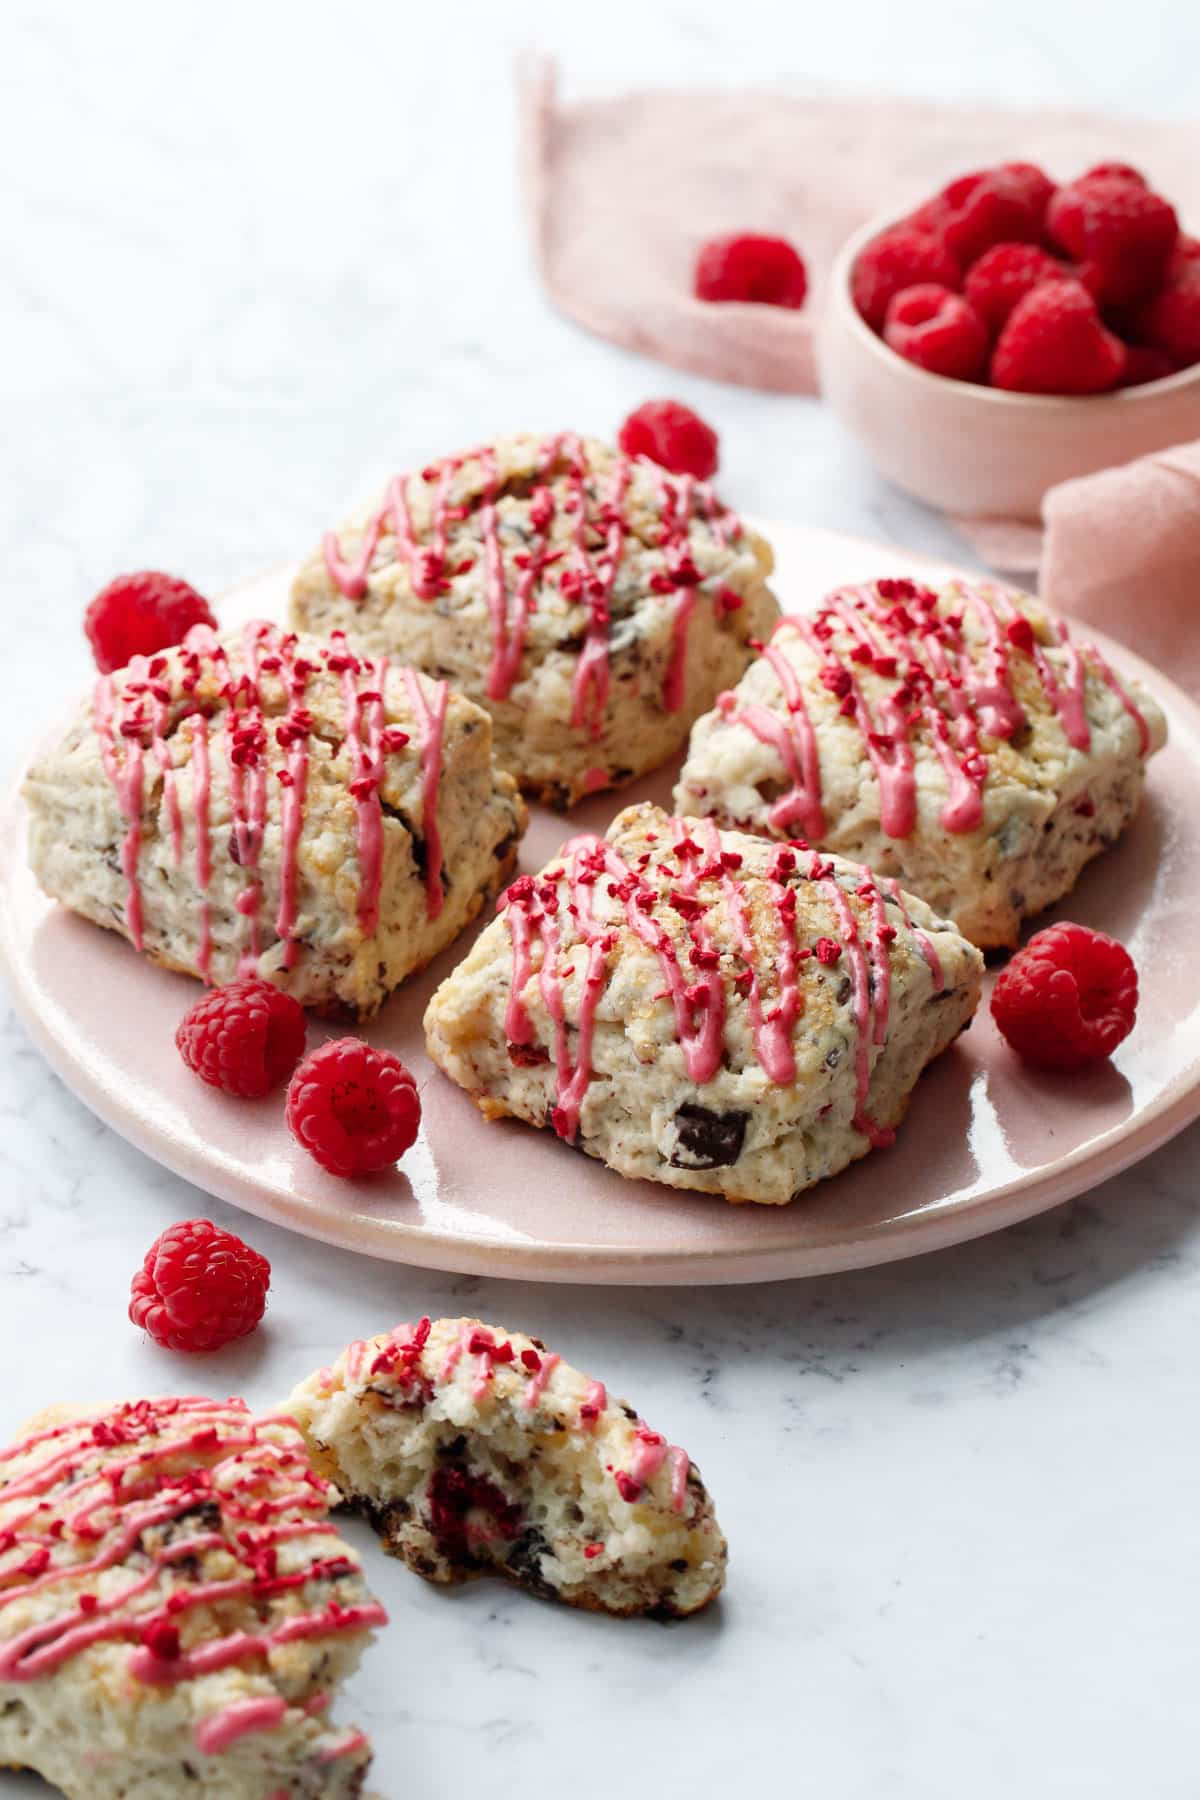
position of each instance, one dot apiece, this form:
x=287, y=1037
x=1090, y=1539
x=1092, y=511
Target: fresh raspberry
x=992, y=206
x=1055, y=343
x=1034, y=185
x=1170, y=320
x=1005, y=274
x=1144, y=363
x=1120, y=233
x=244, y=1038
x=135, y=615
x=354, y=1109
x=673, y=436
x=1068, y=998
x=937, y=330
x=902, y=258
x=1064, y=214
x=1183, y=257
x=748, y=267
x=199, y=1287
x=1114, y=171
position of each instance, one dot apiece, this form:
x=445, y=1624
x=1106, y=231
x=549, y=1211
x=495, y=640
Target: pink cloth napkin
x=1122, y=552
x=623, y=191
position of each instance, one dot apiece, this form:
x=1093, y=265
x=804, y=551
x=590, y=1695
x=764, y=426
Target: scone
x=473, y=1450
x=266, y=803
x=704, y=1008
x=176, y=1609
x=960, y=742
x=593, y=604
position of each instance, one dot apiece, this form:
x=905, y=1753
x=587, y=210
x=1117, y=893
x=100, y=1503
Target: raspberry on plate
x=1068, y=998
x=1004, y=275
x=135, y=615
x=1055, y=343
x=901, y=258
x=1120, y=232
x=746, y=266
x=673, y=436
x=937, y=330
x=244, y=1038
x=199, y=1287
x=356, y=1110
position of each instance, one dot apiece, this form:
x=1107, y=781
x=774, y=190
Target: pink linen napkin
x=1122, y=552
x=623, y=191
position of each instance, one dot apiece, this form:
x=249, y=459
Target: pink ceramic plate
x=986, y=1143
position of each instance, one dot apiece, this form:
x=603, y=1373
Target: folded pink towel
x=1122, y=551
x=623, y=192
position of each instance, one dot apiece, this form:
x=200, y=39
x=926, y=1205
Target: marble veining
x=962, y=1494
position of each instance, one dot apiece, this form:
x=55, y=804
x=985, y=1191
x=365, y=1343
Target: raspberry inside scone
x=959, y=741
x=176, y=1610
x=261, y=803
x=476, y=1450
x=703, y=1008
x=592, y=602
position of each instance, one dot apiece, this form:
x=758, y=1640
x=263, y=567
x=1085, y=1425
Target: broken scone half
x=473, y=1450
x=176, y=1609
x=958, y=740
x=704, y=1008
x=594, y=603
x=262, y=803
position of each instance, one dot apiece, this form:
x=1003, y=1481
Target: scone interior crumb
x=473, y=1449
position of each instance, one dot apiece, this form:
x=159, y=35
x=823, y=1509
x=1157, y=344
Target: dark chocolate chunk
x=707, y=1139
x=524, y=1561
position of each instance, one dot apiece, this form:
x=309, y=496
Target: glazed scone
x=704, y=1008
x=265, y=803
x=176, y=1609
x=959, y=742
x=593, y=604
x=474, y=1450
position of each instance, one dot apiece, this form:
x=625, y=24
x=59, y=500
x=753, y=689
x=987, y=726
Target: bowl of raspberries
x=1010, y=333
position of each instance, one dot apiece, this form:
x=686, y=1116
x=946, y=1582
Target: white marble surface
x=256, y=254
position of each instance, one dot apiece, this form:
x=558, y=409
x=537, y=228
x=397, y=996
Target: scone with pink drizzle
x=594, y=604
x=704, y=1008
x=259, y=802
x=176, y=1609
x=960, y=742
x=476, y=1450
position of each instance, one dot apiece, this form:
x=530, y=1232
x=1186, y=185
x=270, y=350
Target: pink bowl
x=977, y=450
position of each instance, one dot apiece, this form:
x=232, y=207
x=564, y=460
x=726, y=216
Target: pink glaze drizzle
x=938, y=681
x=135, y=718
x=924, y=942
x=870, y=975
x=94, y=1487
x=594, y=1403
x=589, y=552
x=431, y=720
x=364, y=714
x=538, y=1379
x=535, y=908
x=650, y=1451
x=238, y=1720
